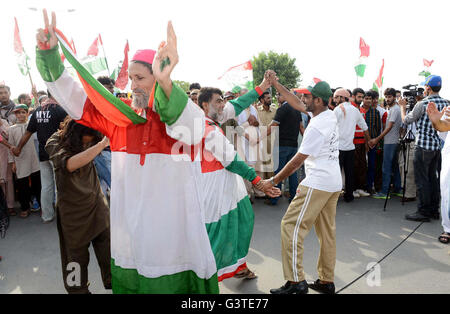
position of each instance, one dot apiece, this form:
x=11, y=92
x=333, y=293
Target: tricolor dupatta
x=111, y=107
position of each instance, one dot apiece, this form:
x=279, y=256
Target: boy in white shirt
x=26, y=166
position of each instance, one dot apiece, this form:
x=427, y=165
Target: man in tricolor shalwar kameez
x=159, y=243
x=229, y=215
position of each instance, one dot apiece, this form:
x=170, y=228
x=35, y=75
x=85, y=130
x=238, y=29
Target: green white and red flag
x=427, y=64
x=361, y=65
x=22, y=58
x=380, y=78
x=94, y=62
x=240, y=75
x=122, y=78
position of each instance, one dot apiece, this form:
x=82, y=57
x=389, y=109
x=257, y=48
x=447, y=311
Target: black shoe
x=417, y=217
x=326, y=288
x=290, y=288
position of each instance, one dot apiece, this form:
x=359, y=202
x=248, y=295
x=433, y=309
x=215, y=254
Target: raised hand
x=265, y=84
x=46, y=38
x=272, y=76
x=402, y=102
x=166, y=58
x=433, y=113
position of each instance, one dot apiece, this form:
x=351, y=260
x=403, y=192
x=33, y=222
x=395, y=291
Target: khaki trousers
x=309, y=208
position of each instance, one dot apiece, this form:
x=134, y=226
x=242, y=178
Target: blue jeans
x=103, y=165
x=286, y=153
x=47, y=190
x=390, y=167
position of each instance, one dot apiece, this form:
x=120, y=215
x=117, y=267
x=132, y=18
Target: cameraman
x=406, y=154
x=427, y=151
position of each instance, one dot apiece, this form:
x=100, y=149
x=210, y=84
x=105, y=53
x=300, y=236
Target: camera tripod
x=408, y=138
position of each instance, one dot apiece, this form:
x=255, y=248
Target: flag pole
x=33, y=87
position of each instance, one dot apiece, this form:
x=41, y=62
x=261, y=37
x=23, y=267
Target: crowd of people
x=312, y=146
x=380, y=142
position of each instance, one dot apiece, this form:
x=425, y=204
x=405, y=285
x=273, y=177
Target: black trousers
x=347, y=162
x=26, y=190
x=426, y=163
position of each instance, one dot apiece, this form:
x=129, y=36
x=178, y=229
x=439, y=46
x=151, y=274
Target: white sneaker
x=356, y=194
x=362, y=193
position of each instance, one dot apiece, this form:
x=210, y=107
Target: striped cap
x=21, y=106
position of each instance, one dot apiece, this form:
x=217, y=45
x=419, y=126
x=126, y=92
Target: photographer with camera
x=413, y=95
x=427, y=151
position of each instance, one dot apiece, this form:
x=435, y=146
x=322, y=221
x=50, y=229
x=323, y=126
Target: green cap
x=21, y=106
x=321, y=90
x=236, y=89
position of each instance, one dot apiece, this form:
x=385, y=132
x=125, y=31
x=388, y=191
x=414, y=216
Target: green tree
x=282, y=64
x=184, y=85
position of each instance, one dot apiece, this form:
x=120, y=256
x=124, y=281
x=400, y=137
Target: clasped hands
x=267, y=187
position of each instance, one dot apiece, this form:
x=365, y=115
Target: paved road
x=365, y=234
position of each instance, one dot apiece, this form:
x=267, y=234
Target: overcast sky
x=323, y=36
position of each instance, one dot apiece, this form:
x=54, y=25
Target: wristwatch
x=272, y=181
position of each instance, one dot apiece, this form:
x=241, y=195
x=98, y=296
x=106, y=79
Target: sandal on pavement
x=444, y=238
x=246, y=274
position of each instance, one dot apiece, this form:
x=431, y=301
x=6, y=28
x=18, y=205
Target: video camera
x=412, y=91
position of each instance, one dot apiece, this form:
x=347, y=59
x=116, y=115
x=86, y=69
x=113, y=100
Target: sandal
x=246, y=274
x=444, y=238
x=12, y=212
x=25, y=214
